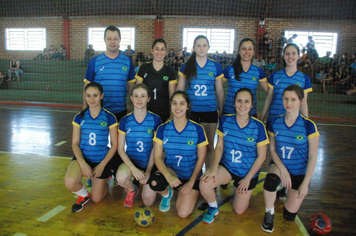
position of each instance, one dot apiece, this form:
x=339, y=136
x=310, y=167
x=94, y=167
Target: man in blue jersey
x=116, y=73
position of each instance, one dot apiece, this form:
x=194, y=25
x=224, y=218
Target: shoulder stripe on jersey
x=131, y=81
x=157, y=140
x=203, y=144
x=265, y=142
x=270, y=133
x=86, y=81
x=219, y=133
x=173, y=81
x=138, y=77
x=220, y=77
x=315, y=127
x=308, y=90
x=316, y=134
x=181, y=74
x=264, y=79
x=270, y=85
x=113, y=125
x=121, y=132
x=75, y=124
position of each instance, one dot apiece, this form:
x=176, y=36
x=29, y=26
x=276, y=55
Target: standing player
x=243, y=74
x=91, y=129
x=160, y=80
x=294, y=149
x=184, y=143
x=281, y=79
x=115, y=72
x=239, y=155
x=202, y=76
x=136, y=130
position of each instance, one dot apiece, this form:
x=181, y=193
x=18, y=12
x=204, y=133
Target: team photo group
x=161, y=139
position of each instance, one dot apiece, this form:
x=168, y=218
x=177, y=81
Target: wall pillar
x=66, y=37
x=158, y=28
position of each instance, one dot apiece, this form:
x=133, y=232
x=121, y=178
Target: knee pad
x=271, y=182
x=288, y=215
x=161, y=182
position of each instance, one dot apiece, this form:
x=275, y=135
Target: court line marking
x=19, y=234
x=51, y=213
x=60, y=143
x=301, y=226
x=16, y=108
x=340, y=125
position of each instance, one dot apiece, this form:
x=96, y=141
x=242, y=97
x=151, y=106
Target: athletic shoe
x=224, y=186
x=267, y=224
x=165, y=204
x=281, y=193
x=89, y=182
x=79, y=204
x=130, y=197
x=208, y=217
x=203, y=206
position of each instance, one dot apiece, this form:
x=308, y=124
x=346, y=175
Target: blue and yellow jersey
x=94, y=134
x=139, y=136
x=113, y=75
x=292, y=142
x=279, y=81
x=202, y=88
x=249, y=79
x=240, y=144
x=181, y=147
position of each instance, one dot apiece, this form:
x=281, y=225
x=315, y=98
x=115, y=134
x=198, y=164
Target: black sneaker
x=79, y=204
x=267, y=224
x=281, y=193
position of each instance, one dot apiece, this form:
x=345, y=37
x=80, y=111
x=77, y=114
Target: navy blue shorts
x=106, y=172
x=237, y=179
x=204, y=117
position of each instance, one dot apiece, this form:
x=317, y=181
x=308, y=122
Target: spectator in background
x=267, y=44
x=233, y=56
x=311, y=43
x=281, y=42
x=130, y=53
x=343, y=60
x=271, y=66
x=325, y=60
x=149, y=58
x=322, y=78
x=51, y=52
x=15, y=68
x=224, y=59
x=179, y=60
x=171, y=56
x=185, y=53
x=61, y=53
x=43, y=55
x=89, y=54
x=291, y=39
x=312, y=54
x=259, y=62
x=138, y=67
x=353, y=66
x=352, y=59
x=216, y=57
x=3, y=80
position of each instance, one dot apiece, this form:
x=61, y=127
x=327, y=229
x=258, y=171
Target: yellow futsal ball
x=144, y=216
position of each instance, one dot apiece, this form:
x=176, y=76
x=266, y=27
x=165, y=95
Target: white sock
x=270, y=210
x=167, y=195
x=83, y=192
x=213, y=204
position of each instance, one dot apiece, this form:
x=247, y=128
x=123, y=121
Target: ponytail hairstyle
x=190, y=69
x=236, y=64
x=98, y=87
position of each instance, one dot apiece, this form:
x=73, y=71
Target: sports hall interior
x=36, y=114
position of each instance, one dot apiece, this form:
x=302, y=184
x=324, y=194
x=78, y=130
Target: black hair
x=190, y=69
x=160, y=40
x=112, y=28
x=186, y=98
x=236, y=64
x=98, y=87
x=297, y=89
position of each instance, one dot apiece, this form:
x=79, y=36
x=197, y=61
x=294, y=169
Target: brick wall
x=172, y=31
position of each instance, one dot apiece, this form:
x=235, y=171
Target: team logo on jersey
x=276, y=133
x=81, y=123
x=149, y=131
x=250, y=139
x=299, y=137
x=233, y=77
x=277, y=82
x=165, y=78
x=211, y=73
x=165, y=140
x=145, y=75
x=299, y=84
x=225, y=133
x=254, y=78
x=103, y=124
x=124, y=68
x=128, y=130
x=102, y=68
x=190, y=142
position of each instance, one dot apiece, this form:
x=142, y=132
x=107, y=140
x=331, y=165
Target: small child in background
x=224, y=58
x=270, y=66
x=323, y=77
x=138, y=67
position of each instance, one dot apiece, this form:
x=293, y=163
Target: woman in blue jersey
x=91, y=129
x=136, y=130
x=239, y=155
x=294, y=149
x=243, y=74
x=184, y=143
x=281, y=79
x=203, y=78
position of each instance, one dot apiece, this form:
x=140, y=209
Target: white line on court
x=301, y=226
x=60, y=143
x=19, y=234
x=319, y=124
x=51, y=213
x=19, y=108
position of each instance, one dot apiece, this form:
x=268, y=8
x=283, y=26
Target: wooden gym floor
x=35, y=151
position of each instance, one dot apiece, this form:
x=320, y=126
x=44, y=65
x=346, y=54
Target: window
x=324, y=41
x=96, y=37
x=220, y=39
x=25, y=38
